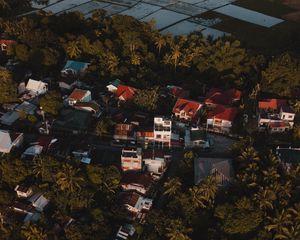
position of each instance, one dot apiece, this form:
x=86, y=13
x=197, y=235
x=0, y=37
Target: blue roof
x=116, y=82
x=75, y=65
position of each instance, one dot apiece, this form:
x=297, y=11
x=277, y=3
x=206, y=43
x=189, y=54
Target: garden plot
x=183, y=28
x=212, y=4
x=192, y=1
x=161, y=3
x=206, y=22
x=164, y=18
x=114, y=9
x=64, y=5
x=249, y=16
x=89, y=7
x=213, y=33
x=186, y=8
x=128, y=3
x=40, y=6
x=141, y=10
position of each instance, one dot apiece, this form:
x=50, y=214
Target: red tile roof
x=145, y=133
x=190, y=107
x=125, y=92
x=78, y=94
x=280, y=124
x=223, y=113
x=177, y=91
x=7, y=42
x=143, y=179
x=218, y=96
x=272, y=103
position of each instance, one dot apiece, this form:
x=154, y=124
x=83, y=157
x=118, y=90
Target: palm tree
x=135, y=59
x=68, y=179
x=33, y=232
x=279, y=224
x=175, y=55
x=177, y=231
x=265, y=198
x=203, y=195
x=72, y=49
x=111, y=62
x=172, y=187
x=271, y=175
x=249, y=154
x=160, y=42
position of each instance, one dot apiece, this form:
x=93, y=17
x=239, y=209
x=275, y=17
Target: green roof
x=198, y=135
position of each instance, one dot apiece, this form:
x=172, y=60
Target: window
x=290, y=116
x=283, y=116
x=158, y=136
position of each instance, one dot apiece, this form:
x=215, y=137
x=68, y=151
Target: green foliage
x=68, y=179
x=33, y=232
x=282, y=75
x=147, y=99
x=103, y=127
x=240, y=218
x=51, y=102
x=8, y=89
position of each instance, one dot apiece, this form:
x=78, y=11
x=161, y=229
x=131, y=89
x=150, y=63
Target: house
x=91, y=106
x=113, y=86
x=74, y=68
x=8, y=140
x=125, y=231
x=145, y=136
x=187, y=110
x=275, y=115
x=41, y=145
x=135, y=203
x=9, y=118
x=221, y=118
x=138, y=119
x=272, y=104
x=196, y=138
x=26, y=107
x=162, y=131
x=38, y=201
x=136, y=181
x=23, y=191
x=219, y=97
x=219, y=168
x=131, y=159
x=124, y=131
x=177, y=92
x=4, y=44
x=156, y=161
x=36, y=87
x=79, y=95
x=125, y=93
x=289, y=156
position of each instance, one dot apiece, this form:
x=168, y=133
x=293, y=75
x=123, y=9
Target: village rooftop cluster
x=146, y=142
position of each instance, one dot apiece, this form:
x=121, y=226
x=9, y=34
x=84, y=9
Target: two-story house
x=162, y=131
x=275, y=115
x=131, y=159
x=187, y=110
x=221, y=118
